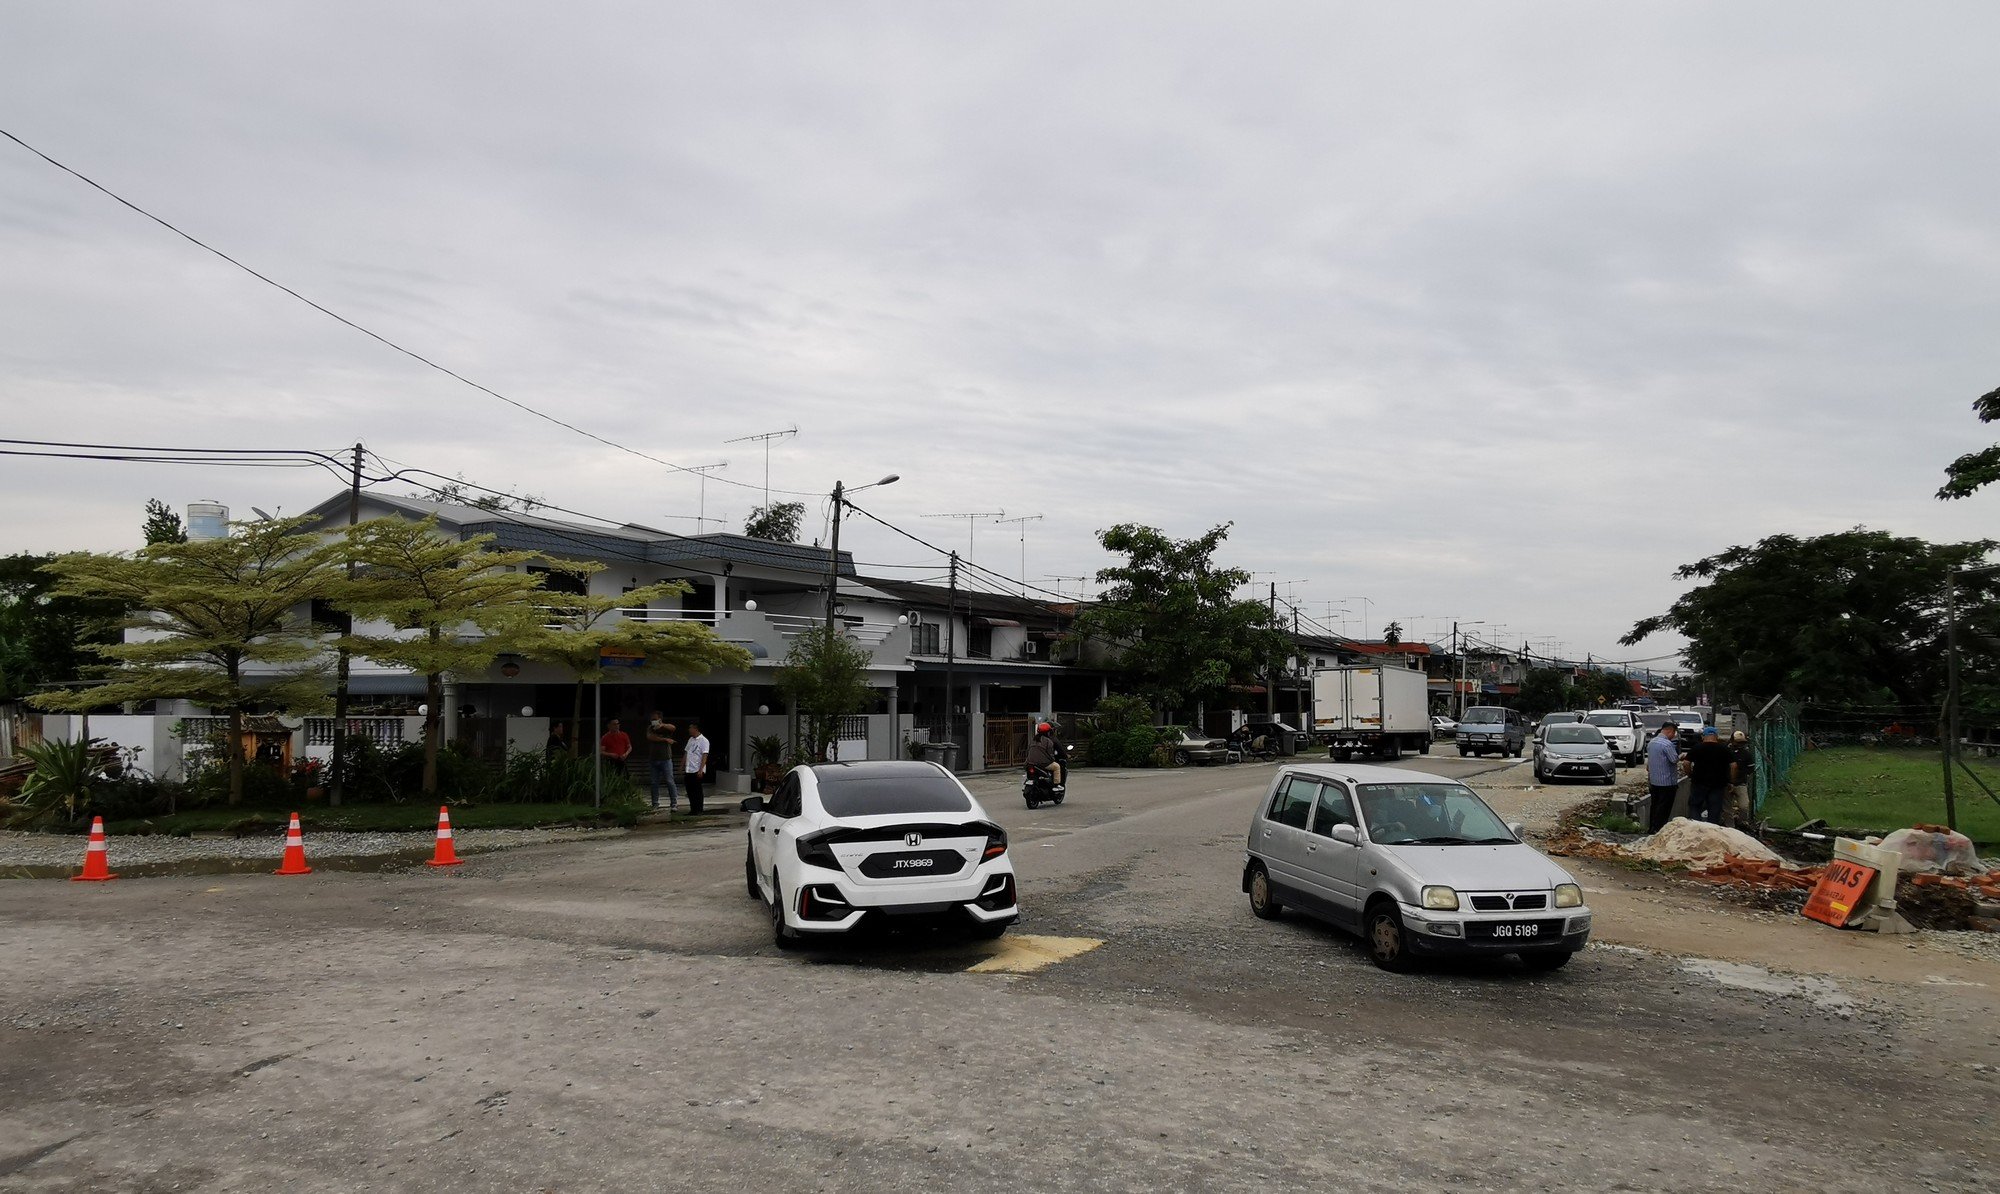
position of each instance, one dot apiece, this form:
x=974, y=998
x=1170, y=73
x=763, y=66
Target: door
x=1007, y=740
x=764, y=826
x=1335, y=866
x=1281, y=834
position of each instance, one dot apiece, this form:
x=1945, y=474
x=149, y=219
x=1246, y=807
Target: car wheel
x=1539, y=777
x=1462, y=752
x=1180, y=758
x=1392, y=749
x=1424, y=747
x=1548, y=959
x=1263, y=897
x=750, y=874
x=1386, y=945
x=783, y=935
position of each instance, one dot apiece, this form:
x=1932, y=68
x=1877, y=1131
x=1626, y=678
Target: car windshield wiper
x=1495, y=841
x=1437, y=841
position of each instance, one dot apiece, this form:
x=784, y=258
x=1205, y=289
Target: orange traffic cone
x=444, y=854
x=96, y=858
x=295, y=852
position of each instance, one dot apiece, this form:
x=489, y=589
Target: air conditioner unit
x=1031, y=648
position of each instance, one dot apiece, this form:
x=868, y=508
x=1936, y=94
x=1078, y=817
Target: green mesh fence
x=1779, y=745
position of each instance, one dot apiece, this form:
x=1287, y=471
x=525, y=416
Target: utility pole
x=333, y=789
x=950, y=657
x=833, y=562
x=1271, y=689
x=1950, y=697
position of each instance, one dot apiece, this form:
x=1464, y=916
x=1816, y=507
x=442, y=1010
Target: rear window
x=1575, y=733
x=894, y=795
x=1611, y=720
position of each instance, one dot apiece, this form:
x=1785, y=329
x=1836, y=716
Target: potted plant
x=765, y=752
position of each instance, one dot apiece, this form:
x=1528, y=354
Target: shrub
x=1125, y=734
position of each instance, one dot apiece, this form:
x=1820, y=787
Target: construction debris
x=1933, y=849
x=1699, y=845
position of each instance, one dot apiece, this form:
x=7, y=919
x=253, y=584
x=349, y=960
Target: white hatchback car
x=843, y=845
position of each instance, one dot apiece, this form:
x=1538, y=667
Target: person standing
x=616, y=745
x=1711, y=771
x=695, y=767
x=558, y=741
x=660, y=755
x=1742, y=794
x=1663, y=776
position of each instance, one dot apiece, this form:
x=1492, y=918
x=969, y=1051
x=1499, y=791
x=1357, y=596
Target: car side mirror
x=1517, y=829
x=754, y=804
x=1346, y=835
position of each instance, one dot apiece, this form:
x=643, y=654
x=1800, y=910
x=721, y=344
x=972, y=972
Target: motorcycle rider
x=1044, y=756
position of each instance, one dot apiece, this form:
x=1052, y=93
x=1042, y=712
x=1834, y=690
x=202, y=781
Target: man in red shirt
x=616, y=744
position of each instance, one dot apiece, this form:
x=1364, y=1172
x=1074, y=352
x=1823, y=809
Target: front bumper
x=829, y=902
x=1464, y=934
x=1580, y=768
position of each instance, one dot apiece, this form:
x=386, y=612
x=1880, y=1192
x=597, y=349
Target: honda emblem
x=913, y=839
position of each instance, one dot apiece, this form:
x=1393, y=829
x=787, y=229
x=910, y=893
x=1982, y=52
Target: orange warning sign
x=1840, y=892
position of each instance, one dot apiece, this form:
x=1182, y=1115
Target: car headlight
x=1569, y=895
x=1440, y=899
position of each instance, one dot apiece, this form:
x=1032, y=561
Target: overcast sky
x=1496, y=312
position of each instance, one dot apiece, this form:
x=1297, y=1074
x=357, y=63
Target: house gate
x=1007, y=739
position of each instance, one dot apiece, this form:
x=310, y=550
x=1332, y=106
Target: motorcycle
x=1039, y=787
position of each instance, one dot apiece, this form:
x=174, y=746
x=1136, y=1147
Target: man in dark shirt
x=1042, y=753
x=1711, y=769
x=1742, y=796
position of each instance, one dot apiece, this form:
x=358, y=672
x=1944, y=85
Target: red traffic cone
x=295, y=852
x=96, y=857
x=444, y=854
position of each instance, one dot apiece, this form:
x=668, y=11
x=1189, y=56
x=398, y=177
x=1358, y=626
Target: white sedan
x=840, y=846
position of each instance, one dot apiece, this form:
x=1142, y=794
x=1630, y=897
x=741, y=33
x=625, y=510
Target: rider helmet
x=1044, y=727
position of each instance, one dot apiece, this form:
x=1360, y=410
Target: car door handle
x=1311, y=849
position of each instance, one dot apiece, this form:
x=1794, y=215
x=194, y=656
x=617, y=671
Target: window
x=846, y=794
x=979, y=642
x=1335, y=808
x=1433, y=814
x=924, y=639
x=1294, y=802
x=786, y=802
x=562, y=580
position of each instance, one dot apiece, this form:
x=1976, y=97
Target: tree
x=1393, y=633
x=454, y=607
x=162, y=525
x=575, y=631
x=462, y=493
x=46, y=638
x=217, y=622
x=825, y=678
x=1853, y=617
x=1543, y=690
x=1975, y=470
x=778, y=522
x=1182, y=634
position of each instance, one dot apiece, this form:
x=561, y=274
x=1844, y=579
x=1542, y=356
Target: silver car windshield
x=1483, y=717
x=1612, y=720
x=1576, y=734
x=1430, y=815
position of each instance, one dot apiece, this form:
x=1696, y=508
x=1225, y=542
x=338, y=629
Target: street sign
x=614, y=657
x=1841, y=891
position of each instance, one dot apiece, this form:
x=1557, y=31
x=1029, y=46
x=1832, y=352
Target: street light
x=840, y=493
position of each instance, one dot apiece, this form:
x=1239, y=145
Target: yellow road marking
x=1019, y=953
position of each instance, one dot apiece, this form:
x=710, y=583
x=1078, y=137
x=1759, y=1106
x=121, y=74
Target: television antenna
x=971, y=518
x=1022, y=521
x=765, y=438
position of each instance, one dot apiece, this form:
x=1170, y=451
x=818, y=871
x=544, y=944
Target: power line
x=371, y=334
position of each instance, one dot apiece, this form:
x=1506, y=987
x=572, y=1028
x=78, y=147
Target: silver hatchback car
x=1417, y=864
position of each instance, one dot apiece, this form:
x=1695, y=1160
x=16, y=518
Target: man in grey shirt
x=1663, y=775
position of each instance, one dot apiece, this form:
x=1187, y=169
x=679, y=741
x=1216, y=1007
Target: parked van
x=1491, y=729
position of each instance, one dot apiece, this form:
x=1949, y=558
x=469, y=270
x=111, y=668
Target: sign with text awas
x=1841, y=892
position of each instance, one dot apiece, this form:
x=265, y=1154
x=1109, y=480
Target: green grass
x=362, y=818
x=1877, y=790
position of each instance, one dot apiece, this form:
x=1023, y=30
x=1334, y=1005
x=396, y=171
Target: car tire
x=1264, y=903
x=988, y=932
x=1424, y=747
x=1547, y=960
x=1462, y=752
x=750, y=874
x=1180, y=758
x=782, y=935
x=1391, y=750
x=1388, y=944
x=1539, y=777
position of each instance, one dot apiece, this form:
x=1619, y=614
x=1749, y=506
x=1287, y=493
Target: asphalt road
x=613, y=1014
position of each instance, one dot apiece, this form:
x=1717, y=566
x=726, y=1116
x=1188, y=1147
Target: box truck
x=1371, y=710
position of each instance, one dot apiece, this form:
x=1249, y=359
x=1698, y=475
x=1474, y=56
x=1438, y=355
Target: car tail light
x=815, y=850
x=996, y=843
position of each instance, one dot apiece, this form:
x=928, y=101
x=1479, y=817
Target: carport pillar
x=1049, y=697
x=975, y=751
x=450, y=712
x=739, y=746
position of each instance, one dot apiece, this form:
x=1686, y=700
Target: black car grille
x=1501, y=903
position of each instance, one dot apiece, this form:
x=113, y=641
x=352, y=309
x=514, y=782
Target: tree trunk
x=433, y=729
x=235, y=755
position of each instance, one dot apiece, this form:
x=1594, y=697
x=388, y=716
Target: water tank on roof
x=207, y=520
